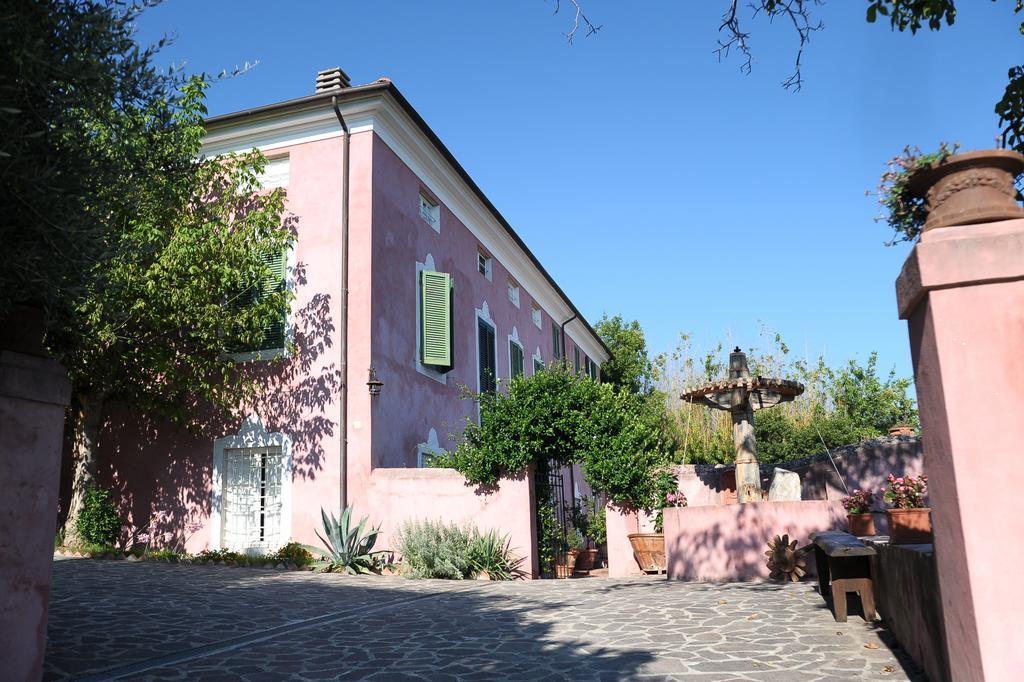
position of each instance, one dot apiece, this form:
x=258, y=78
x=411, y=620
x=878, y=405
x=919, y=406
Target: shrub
x=431, y=549
x=346, y=548
x=293, y=553
x=491, y=553
x=98, y=522
x=224, y=555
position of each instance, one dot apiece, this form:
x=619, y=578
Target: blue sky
x=650, y=179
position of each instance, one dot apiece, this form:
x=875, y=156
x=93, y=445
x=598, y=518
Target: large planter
x=564, y=568
x=585, y=560
x=910, y=526
x=649, y=551
x=861, y=525
x=974, y=187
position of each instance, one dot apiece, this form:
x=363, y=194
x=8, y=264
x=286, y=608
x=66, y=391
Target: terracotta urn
x=973, y=187
x=649, y=551
x=910, y=526
x=861, y=525
x=585, y=560
x=564, y=570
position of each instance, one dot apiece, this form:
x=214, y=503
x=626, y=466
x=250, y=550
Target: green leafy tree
x=558, y=417
x=629, y=367
x=869, y=402
x=144, y=257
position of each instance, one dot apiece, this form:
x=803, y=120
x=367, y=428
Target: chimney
x=332, y=79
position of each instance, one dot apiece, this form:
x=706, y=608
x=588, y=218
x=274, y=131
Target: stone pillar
x=962, y=293
x=34, y=393
x=748, y=473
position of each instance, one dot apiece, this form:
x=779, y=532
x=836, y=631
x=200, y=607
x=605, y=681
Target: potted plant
x=858, y=512
x=565, y=563
x=582, y=514
x=909, y=519
x=649, y=548
x=921, y=192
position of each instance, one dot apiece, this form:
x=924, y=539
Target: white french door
x=252, y=499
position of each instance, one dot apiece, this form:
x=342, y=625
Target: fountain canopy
x=742, y=395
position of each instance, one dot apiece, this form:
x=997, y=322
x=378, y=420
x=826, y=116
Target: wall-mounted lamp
x=374, y=384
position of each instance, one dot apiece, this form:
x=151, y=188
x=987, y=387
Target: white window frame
x=482, y=259
x=277, y=173
x=537, y=357
x=430, y=212
x=429, y=447
x=251, y=434
x=483, y=313
x=513, y=338
x=538, y=319
x=289, y=320
x=513, y=292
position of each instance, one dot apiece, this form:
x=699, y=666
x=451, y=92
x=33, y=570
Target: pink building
x=441, y=293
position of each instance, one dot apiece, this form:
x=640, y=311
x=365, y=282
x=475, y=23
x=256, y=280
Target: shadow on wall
x=448, y=631
x=156, y=466
x=728, y=542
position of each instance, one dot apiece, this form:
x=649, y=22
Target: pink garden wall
x=399, y=495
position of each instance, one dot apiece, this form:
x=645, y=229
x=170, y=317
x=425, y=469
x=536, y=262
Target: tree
x=149, y=261
x=629, y=367
x=903, y=15
x=559, y=417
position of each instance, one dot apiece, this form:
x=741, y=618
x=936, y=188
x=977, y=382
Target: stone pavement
x=120, y=620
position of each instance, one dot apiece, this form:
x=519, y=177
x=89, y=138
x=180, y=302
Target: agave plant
x=345, y=548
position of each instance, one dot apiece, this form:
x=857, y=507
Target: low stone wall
x=863, y=466
x=400, y=495
x=907, y=598
x=728, y=542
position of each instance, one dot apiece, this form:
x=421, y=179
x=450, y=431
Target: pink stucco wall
x=398, y=495
x=34, y=392
x=412, y=404
x=159, y=467
x=962, y=294
x=728, y=542
x=156, y=466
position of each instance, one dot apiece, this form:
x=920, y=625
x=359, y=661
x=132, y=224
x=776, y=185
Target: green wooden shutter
x=576, y=360
x=487, y=359
x=538, y=366
x=274, y=281
x=556, y=346
x=436, y=314
x=515, y=353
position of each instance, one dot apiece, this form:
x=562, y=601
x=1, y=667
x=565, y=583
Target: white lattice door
x=252, y=499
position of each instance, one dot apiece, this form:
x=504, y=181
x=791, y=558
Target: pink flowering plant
x=906, y=492
x=904, y=211
x=859, y=502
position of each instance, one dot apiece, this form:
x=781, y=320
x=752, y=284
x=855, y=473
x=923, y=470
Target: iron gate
x=553, y=519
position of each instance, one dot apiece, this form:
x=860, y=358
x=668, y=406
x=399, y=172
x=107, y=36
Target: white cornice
x=381, y=113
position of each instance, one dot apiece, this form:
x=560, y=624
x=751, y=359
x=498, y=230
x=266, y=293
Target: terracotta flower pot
x=974, y=187
x=861, y=525
x=564, y=570
x=649, y=550
x=910, y=526
x=585, y=560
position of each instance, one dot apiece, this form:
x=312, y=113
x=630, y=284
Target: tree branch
x=580, y=20
x=799, y=14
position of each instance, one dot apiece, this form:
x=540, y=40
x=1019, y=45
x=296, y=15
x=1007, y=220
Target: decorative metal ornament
x=785, y=562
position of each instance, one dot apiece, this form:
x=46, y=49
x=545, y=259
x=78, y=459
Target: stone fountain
x=742, y=395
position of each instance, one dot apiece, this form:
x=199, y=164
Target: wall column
x=962, y=293
x=34, y=392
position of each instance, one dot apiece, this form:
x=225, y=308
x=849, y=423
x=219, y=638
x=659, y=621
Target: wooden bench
x=844, y=566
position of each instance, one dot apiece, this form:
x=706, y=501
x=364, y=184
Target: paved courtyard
x=111, y=620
